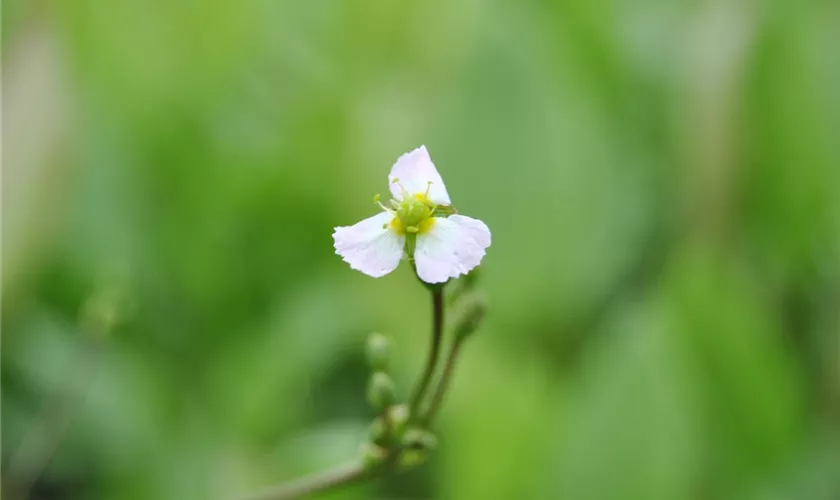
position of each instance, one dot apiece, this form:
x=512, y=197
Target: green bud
x=373, y=456
x=418, y=439
x=398, y=415
x=411, y=458
x=380, y=390
x=469, y=315
x=378, y=351
x=378, y=432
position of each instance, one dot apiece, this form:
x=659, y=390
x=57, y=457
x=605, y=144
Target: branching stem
x=443, y=385
x=434, y=352
x=354, y=472
x=320, y=481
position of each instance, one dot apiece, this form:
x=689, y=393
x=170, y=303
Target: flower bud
x=411, y=458
x=398, y=415
x=418, y=439
x=378, y=351
x=469, y=315
x=373, y=456
x=380, y=390
x=378, y=432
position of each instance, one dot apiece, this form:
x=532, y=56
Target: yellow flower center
x=413, y=215
x=424, y=226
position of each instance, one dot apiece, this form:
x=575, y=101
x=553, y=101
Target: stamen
x=376, y=201
x=404, y=190
x=428, y=187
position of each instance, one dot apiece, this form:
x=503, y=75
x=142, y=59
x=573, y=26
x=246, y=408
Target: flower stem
x=434, y=352
x=443, y=384
x=320, y=481
x=354, y=472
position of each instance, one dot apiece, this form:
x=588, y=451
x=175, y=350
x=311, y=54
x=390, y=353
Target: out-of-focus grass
x=662, y=181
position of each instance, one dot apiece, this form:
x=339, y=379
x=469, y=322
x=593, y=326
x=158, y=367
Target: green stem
x=320, y=481
x=354, y=472
x=443, y=384
x=434, y=352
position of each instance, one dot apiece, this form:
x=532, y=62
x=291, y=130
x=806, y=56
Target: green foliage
x=662, y=184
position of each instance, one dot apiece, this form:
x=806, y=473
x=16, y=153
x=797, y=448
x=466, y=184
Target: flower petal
x=415, y=170
x=370, y=246
x=453, y=246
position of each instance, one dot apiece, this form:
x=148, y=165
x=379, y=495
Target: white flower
x=419, y=223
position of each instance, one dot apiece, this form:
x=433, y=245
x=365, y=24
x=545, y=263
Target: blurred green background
x=662, y=180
